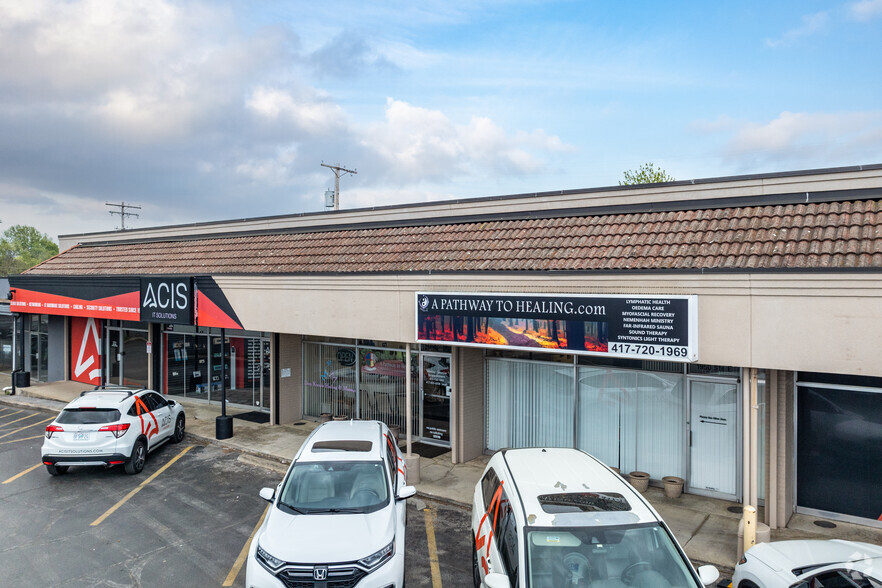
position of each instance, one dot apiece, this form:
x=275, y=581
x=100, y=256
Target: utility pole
x=337, y=171
x=122, y=212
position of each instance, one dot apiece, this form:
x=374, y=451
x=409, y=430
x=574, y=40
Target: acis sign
x=167, y=300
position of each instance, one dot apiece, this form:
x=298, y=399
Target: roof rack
x=113, y=388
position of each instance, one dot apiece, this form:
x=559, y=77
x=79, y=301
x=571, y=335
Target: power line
x=122, y=212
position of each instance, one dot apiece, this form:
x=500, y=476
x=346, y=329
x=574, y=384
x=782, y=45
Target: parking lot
x=185, y=520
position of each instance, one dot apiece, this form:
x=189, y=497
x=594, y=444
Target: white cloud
x=811, y=24
x=313, y=114
x=824, y=138
x=424, y=144
x=865, y=10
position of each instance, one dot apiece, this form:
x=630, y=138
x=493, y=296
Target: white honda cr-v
x=338, y=516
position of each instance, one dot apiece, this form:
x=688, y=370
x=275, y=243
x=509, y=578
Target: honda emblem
x=320, y=573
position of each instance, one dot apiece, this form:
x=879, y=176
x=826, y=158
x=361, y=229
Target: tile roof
x=843, y=235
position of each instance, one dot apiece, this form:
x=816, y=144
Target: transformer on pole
x=338, y=170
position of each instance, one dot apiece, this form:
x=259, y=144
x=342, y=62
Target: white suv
x=551, y=518
x=338, y=516
x=111, y=426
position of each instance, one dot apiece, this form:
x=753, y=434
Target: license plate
x=81, y=436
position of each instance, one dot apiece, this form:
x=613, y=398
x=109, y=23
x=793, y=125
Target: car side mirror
x=171, y=403
x=406, y=492
x=494, y=580
x=267, y=494
x=708, y=575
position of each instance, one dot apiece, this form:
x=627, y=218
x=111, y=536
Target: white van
x=554, y=517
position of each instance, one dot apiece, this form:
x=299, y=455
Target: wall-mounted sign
x=167, y=300
x=634, y=326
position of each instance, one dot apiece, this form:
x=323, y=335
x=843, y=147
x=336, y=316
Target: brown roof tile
x=800, y=236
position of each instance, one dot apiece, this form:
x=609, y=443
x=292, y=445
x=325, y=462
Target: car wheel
x=476, y=573
x=747, y=584
x=56, y=470
x=135, y=463
x=178, y=435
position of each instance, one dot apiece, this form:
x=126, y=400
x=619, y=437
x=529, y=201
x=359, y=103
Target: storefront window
x=6, y=342
x=197, y=365
x=529, y=404
x=838, y=462
x=628, y=419
x=382, y=385
x=329, y=380
x=359, y=382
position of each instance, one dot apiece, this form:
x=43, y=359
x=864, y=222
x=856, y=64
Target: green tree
x=22, y=247
x=647, y=174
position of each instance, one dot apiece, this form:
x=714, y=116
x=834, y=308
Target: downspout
x=454, y=406
x=408, y=400
x=754, y=439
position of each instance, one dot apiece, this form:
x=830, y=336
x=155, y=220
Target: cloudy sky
x=199, y=111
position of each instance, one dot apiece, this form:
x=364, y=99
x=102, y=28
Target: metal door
x=713, y=434
x=435, y=399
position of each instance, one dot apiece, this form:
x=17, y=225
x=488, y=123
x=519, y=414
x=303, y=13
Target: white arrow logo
x=83, y=363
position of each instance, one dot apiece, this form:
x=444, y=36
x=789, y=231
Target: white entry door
x=713, y=424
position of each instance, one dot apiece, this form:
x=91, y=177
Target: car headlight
x=270, y=562
x=377, y=559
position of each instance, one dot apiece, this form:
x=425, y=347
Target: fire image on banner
x=516, y=332
x=85, y=350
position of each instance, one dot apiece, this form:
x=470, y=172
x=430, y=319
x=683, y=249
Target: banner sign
x=97, y=297
x=632, y=326
x=167, y=300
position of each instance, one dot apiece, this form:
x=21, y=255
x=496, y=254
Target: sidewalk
x=705, y=527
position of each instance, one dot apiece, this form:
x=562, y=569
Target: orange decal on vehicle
x=484, y=540
x=151, y=428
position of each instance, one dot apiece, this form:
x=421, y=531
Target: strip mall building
x=726, y=331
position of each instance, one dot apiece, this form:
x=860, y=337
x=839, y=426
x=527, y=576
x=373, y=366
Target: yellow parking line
x=234, y=571
x=429, y=516
x=12, y=413
x=17, y=476
x=23, y=439
x=27, y=427
x=21, y=419
x=140, y=487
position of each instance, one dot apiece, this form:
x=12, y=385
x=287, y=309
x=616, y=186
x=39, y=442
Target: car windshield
x=335, y=486
x=87, y=416
x=628, y=555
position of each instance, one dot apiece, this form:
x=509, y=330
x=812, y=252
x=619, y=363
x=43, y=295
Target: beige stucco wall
x=810, y=322
x=290, y=406
x=470, y=407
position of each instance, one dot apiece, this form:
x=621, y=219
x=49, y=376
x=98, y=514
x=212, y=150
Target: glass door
x=39, y=356
x=114, y=353
x=713, y=427
x=435, y=399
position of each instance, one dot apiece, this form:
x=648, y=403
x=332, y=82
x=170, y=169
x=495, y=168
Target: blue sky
x=200, y=111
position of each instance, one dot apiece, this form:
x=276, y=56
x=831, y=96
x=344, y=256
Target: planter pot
x=341, y=417
x=640, y=480
x=324, y=417
x=673, y=486
x=616, y=470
